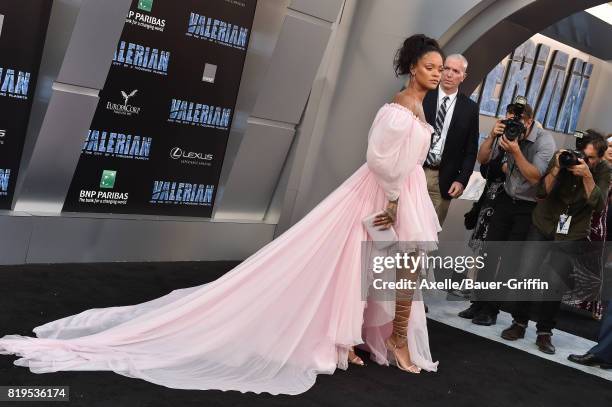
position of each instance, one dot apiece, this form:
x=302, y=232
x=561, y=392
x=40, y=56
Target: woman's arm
x=389, y=155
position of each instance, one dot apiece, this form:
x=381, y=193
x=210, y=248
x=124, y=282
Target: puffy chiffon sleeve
x=389, y=155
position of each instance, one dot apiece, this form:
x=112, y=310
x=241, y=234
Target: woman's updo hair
x=412, y=50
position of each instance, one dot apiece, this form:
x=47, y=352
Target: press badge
x=564, y=224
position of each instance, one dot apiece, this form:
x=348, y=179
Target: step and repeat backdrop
x=560, y=82
x=23, y=26
x=158, y=137
x=554, y=78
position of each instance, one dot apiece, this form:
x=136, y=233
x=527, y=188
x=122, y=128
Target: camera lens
x=512, y=131
x=514, y=128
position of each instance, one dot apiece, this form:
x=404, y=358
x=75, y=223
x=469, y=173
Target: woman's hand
x=387, y=219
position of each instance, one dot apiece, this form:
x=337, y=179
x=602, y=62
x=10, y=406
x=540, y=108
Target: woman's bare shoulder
x=407, y=101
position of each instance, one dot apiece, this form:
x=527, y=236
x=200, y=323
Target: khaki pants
x=433, y=187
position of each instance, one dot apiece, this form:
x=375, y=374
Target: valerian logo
x=143, y=58
x=14, y=84
x=215, y=30
x=198, y=114
x=182, y=193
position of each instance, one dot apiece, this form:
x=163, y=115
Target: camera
x=570, y=158
x=514, y=127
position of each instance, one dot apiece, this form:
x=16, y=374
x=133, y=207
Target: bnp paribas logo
x=145, y=5
x=108, y=179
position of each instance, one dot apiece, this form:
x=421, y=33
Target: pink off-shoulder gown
x=287, y=313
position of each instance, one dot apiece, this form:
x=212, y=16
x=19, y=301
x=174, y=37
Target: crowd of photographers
x=555, y=203
x=543, y=214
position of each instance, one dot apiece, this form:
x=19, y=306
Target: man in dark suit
x=454, y=144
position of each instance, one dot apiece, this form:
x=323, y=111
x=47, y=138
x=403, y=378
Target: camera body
x=570, y=158
x=514, y=126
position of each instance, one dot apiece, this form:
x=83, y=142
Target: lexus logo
x=178, y=153
x=2, y=133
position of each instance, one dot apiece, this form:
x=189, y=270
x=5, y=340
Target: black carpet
x=473, y=370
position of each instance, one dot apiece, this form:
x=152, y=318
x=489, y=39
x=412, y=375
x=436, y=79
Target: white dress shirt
x=438, y=148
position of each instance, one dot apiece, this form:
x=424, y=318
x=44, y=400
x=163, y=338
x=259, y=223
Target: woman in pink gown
x=294, y=308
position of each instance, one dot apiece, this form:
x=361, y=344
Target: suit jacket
x=461, y=146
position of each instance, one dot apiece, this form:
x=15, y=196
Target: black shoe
x=513, y=333
x=484, y=319
x=545, y=345
x=426, y=309
x=588, y=359
x=470, y=312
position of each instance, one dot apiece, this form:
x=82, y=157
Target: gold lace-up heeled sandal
x=353, y=358
x=400, y=325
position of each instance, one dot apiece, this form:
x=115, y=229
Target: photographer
x=601, y=354
x=527, y=149
x=574, y=186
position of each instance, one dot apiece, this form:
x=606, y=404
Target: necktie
x=437, y=134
